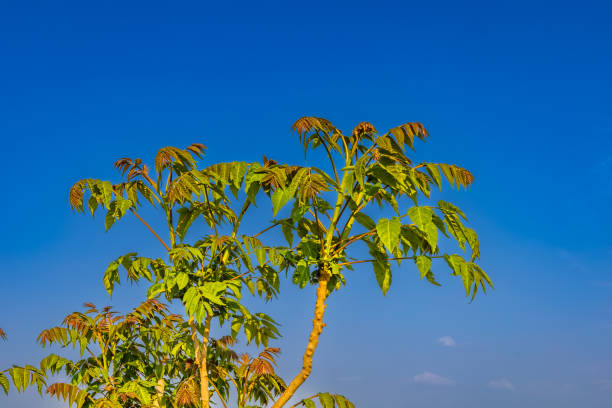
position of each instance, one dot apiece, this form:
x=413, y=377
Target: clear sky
x=517, y=91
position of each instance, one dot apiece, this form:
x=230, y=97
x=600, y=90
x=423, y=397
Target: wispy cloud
x=502, y=384
x=431, y=379
x=447, y=341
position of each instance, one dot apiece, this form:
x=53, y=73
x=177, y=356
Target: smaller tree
x=133, y=360
x=206, y=276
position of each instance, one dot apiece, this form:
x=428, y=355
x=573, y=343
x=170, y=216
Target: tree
x=330, y=216
x=131, y=360
x=206, y=276
x=333, y=219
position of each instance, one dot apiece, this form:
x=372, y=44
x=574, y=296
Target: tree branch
x=218, y=393
x=150, y=229
x=331, y=160
x=353, y=239
x=389, y=259
x=266, y=229
x=212, y=216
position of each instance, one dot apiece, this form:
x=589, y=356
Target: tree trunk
x=201, y=350
x=313, y=341
x=159, y=392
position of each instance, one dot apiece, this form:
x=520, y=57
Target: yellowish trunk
x=159, y=392
x=313, y=341
x=201, y=351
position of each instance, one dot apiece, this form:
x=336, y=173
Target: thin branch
x=241, y=275
x=218, y=393
x=146, y=176
x=150, y=229
x=94, y=357
x=245, y=206
x=347, y=153
x=330, y=221
x=389, y=259
x=267, y=229
x=343, y=209
x=212, y=216
x=320, y=226
x=353, y=239
x=350, y=218
x=331, y=160
x=168, y=180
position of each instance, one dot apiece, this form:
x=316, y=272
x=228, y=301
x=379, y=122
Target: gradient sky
x=517, y=91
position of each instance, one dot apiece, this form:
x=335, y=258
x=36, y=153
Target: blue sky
x=518, y=92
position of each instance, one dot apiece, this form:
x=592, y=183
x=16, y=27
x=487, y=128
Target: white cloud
x=501, y=384
x=432, y=379
x=447, y=341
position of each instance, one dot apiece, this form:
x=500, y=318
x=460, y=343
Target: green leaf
x=309, y=403
x=460, y=268
x=155, y=290
x=298, y=211
x=327, y=401
x=261, y=255
x=456, y=229
x=455, y=262
x=431, y=233
x=448, y=173
x=365, y=220
x=449, y=208
x=186, y=217
x=473, y=241
x=430, y=278
x=383, y=275
x=143, y=395
x=182, y=280
x=4, y=383
x=107, y=190
x=288, y=233
x=279, y=198
x=301, y=275
x=111, y=276
x=92, y=204
x=421, y=216
x=360, y=169
x=341, y=401
x=434, y=172
x=423, y=263
x=383, y=175
x=109, y=219
x=235, y=327
x=389, y=232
